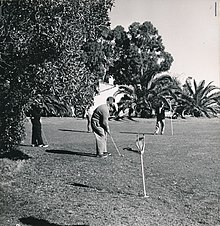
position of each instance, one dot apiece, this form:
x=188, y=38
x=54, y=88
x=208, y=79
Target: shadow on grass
x=101, y=189
x=71, y=153
x=14, y=154
x=74, y=131
x=130, y=149
x=25, y=145
x=84, y=186
x=127, y=132
x=40, y=222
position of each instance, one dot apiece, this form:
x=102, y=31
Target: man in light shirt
x=100, y=127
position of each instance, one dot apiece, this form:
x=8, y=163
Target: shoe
x=107, y=153
x=102, y=156
x=33, y=145
x=43, y=145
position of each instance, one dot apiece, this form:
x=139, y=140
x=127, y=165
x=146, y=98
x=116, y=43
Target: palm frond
x=154, y=82
x=195, y=84
x=209, y=88
x=198, y=90
x=189, y=88
x=124, y=89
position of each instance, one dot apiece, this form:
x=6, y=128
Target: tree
x=199, y=100
x=139, y=58
x=41, y=53
x=144, y=100
x=139, y=55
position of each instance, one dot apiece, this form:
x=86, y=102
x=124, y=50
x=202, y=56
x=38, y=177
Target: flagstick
x=142, y=169
x=171, y=125
x=141, y=148
x=171, y=120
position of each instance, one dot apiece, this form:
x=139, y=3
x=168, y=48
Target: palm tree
x=199, y=100
x=144, y=98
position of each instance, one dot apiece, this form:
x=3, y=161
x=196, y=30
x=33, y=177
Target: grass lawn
x=65, y=184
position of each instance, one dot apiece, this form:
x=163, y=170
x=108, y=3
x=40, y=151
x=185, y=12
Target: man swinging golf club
x=100, y=127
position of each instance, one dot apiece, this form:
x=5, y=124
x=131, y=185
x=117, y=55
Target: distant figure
x=160, y=122
x=88, y=115
x=35, y=115
x=100, y=128
x=73, y=111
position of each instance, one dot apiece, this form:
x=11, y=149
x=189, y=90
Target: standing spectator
x=88, y=114
x=160, y=123
x=100, y=128
x=73, y=111
x=35, y=115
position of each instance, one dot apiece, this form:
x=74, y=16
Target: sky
x=190, y=31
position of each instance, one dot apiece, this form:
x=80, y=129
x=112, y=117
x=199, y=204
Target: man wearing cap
x=100, y=127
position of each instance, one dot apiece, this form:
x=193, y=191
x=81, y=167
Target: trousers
x=160, y=126
x=36, y=132
x=100, y=137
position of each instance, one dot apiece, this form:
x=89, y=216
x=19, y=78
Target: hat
x=110, y=100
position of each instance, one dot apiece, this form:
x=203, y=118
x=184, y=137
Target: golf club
x=116, y=146
x=44, y=137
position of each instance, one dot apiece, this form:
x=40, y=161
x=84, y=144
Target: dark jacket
x=160, y=112
x=101, y=114
x=35, y=112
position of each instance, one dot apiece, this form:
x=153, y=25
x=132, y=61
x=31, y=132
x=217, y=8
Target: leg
x=100, y=136
x=100, y=144
x=162, y=123
x=39, y=136
x=34, y=134
x=157, y=128
x=88, y=117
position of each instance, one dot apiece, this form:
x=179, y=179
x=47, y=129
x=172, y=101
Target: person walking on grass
x=100, y=127
x=160, y=121
x=35, y=115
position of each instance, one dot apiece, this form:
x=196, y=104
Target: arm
x=105, y=117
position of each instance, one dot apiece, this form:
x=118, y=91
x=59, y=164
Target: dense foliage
x=199, y=100
x=139, y=59
x=41, y=53
x=142, y=102
x=139, y=55
x=58, y=50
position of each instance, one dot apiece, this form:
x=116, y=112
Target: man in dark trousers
x=35, y=115
x=100, y=127
x=160, y=123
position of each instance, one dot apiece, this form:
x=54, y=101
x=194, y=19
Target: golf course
x=65, y=184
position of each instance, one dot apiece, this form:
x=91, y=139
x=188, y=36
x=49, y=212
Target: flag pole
x=171, y=119
x=143, y=177
x=141, y=148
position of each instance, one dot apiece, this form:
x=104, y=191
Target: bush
x=11, y=123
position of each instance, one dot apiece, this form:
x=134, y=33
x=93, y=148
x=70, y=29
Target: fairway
x=65, y=184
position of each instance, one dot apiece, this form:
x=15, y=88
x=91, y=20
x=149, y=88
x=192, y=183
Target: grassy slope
x=65, y=184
